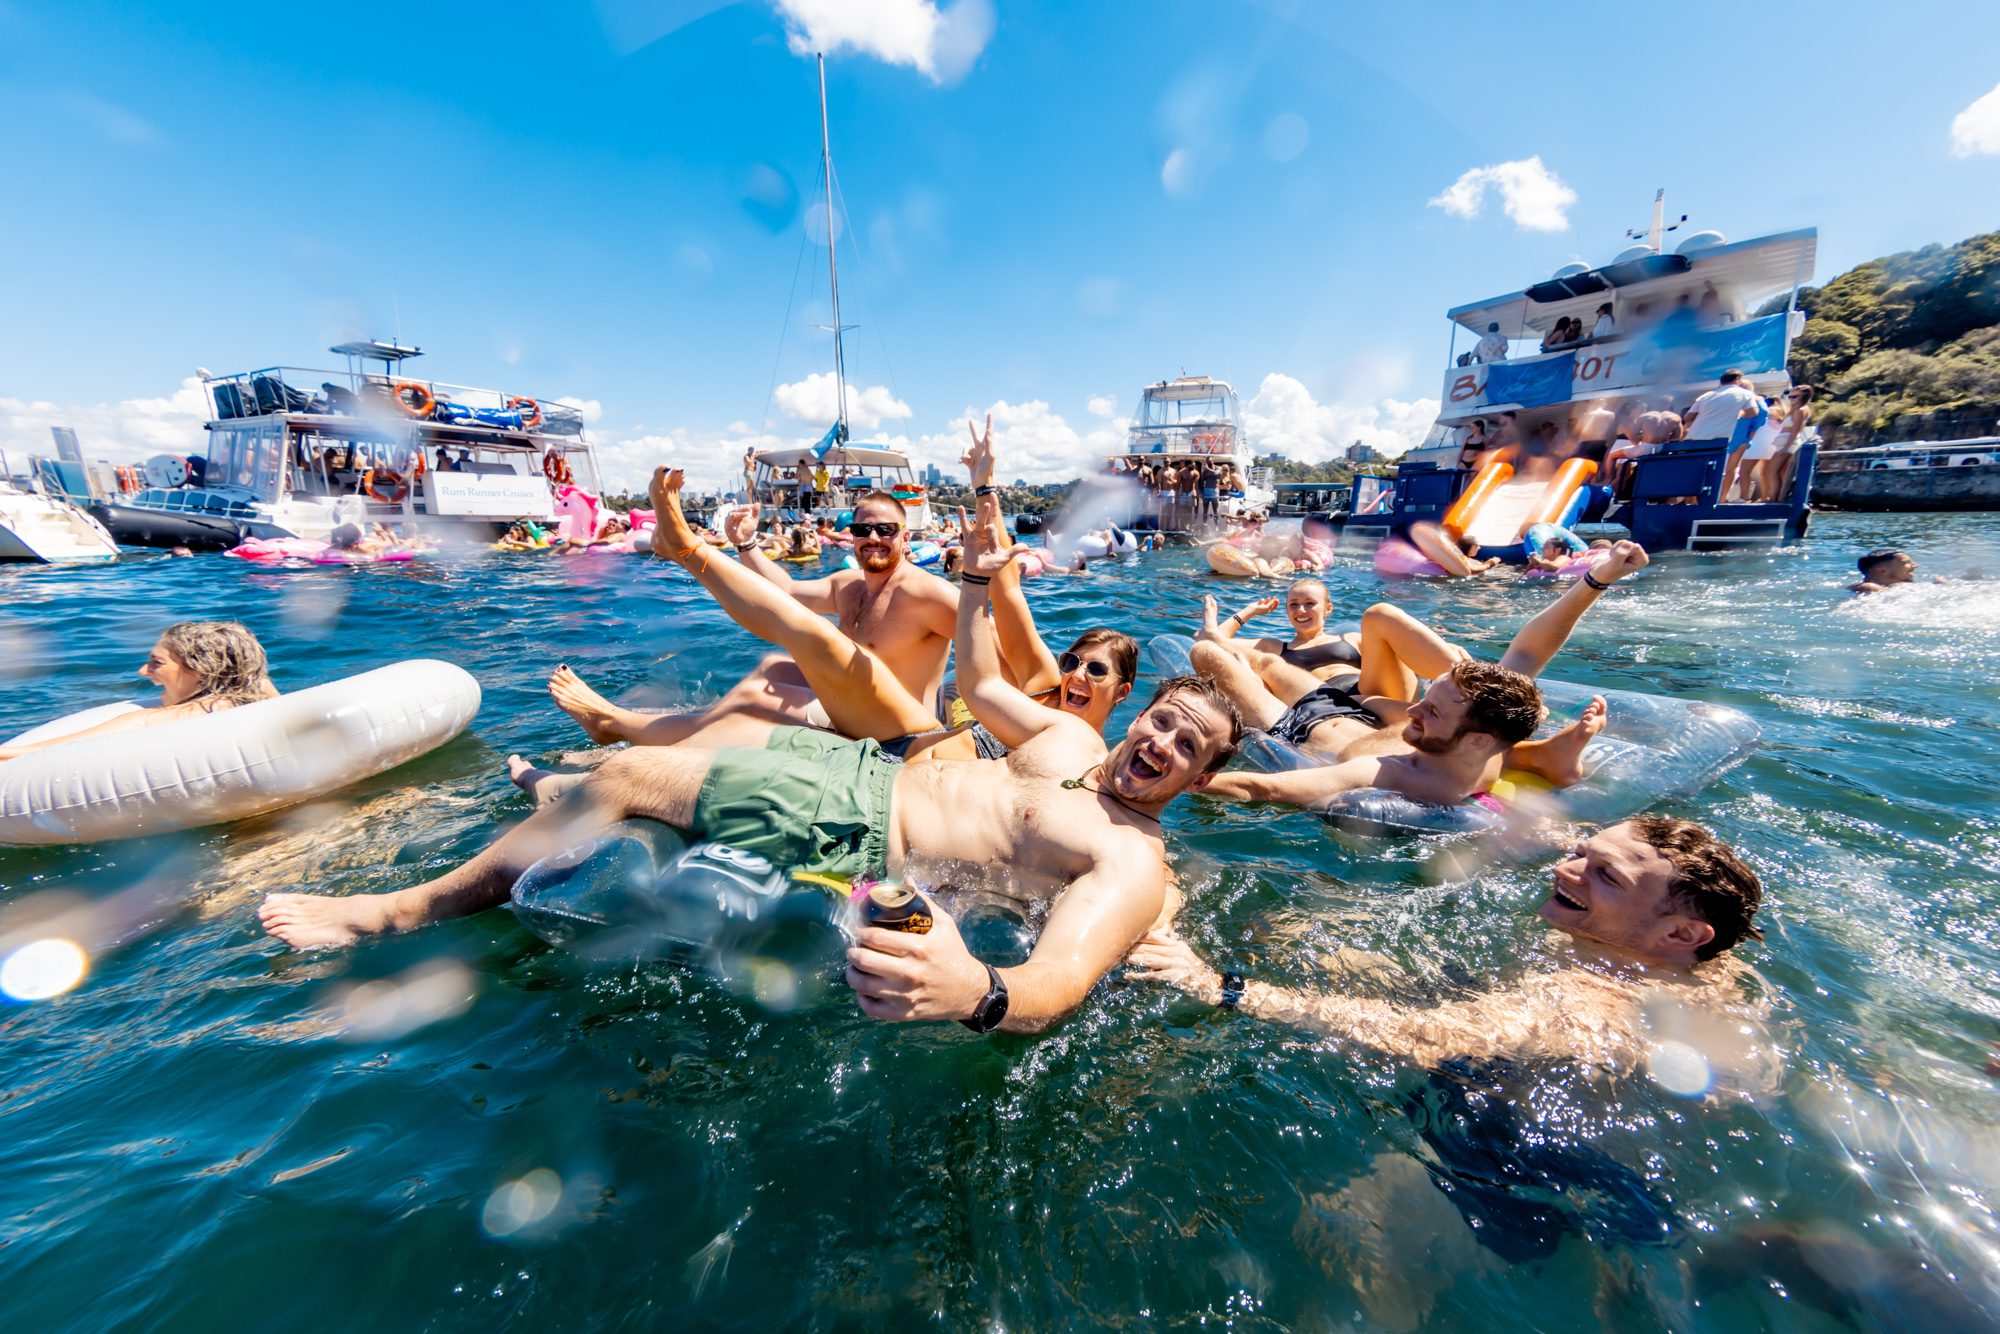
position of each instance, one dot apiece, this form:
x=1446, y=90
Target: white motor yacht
x=37, y=526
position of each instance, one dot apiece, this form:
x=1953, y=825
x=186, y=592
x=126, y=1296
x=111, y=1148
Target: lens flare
x=42, y=969
x=520, y=1204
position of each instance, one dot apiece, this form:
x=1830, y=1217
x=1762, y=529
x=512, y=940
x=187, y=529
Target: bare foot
x=544, y=785
x=601, y=720
x=317, y=921
x=672, y=537
x=1560, y=758
x=1210, y=628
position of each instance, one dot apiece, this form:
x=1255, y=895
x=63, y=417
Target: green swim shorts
x=809, y=801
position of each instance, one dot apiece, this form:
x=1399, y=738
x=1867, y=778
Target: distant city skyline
x=1047, y=207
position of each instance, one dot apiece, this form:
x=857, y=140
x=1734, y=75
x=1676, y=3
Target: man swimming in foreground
x=1509, y=1110
x=1453, y=740
x=1061, y=819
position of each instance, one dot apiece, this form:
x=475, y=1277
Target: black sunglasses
x=874, y=529
x=1069, y=662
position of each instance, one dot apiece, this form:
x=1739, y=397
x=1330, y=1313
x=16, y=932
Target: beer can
x=896, y=908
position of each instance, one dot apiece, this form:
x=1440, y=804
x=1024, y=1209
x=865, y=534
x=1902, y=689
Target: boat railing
x=192, y=501
x=276, y=390
x=1916, y=454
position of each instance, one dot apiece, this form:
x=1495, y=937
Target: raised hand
x=1625, y=558
x=1263, y=606
x=987, y=550
x=741, y=526
x=978, y=459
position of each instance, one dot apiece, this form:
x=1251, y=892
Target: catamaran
x=1677, y=322
x=824, y=480
x=294, y=452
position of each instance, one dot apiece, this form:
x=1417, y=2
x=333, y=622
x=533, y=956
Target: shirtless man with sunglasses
x=904, y=616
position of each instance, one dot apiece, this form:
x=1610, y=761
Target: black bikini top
x=1337, y=651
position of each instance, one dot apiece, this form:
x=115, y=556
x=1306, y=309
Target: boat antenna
x=832, y=265
x=1656, y=235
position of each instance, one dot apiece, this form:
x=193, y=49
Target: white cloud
x=1033, y=442
x=812, y=400
x=589, y=408
x=1177, y=172
x=1282, y=418
x=123, y=432
x=1102, y=405
x=1533, y=196
x=1976, y=129
x=941, y=44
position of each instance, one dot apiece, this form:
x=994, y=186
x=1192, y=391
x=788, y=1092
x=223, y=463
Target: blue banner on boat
x=1531, y=383
x=1755, y=345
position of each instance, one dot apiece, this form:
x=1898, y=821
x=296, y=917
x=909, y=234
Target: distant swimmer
x=199, y=666
x=1445, y=745
x=1885, y=567
x=1456, y=556
x=1516, y=1150
x=1061, y=819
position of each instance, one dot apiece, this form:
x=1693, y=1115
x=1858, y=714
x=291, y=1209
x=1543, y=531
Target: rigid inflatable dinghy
x=230, y=765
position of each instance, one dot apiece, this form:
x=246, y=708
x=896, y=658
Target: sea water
x=466, y=1129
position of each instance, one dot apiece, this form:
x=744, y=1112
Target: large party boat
x=1651, y=330
x=294, y=452
x=1193, y=420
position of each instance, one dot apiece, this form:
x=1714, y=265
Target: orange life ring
x=527, y=420
x=556, y=469
x=413, y=398
x=387, y=476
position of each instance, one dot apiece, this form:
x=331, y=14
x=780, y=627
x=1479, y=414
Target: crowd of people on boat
x=1610, y=323
x=1762, y=434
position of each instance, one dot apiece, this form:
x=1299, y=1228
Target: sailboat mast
x=832, y=267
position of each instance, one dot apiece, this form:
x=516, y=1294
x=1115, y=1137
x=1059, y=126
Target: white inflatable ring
x=215, y=768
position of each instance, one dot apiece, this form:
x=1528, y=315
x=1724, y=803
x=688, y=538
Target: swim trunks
x=808, y=801
x=1329, y=701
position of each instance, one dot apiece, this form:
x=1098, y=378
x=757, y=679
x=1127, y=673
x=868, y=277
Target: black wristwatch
x=1232, y=990
x=993, y=1009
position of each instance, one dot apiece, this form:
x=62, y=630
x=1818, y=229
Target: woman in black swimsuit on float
x=1310, y=649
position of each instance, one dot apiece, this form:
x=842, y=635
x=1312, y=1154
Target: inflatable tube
x=276, y=548
x=578, y=506
x=335, y=556
x=1574, y=568
x=1541, y=534
x=1091, y=547
x=1653, y=748
x=215, y=768
x=1227, y=560
x=1395, y=555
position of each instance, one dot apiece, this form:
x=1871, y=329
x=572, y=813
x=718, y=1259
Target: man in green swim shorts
x=1061, y=819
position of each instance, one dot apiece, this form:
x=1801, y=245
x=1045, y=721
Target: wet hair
x=1124, y=650
x=880, y=497
x=1212, y=694
x=1320, y=584
x=346, y=535
x=226, y=659
x=1732, y=377
x=1498, y=700
x=1879, y=556
x=1710, y=881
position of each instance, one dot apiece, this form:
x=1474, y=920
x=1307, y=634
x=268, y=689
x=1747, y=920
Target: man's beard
x=878, y=561
x=1429, y=743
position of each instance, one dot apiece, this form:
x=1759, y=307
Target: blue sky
x=1048, y=205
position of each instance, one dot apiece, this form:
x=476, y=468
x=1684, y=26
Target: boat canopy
x=1744, y=272
x=841, y=456
x=374, y=349
x=1189, y=387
